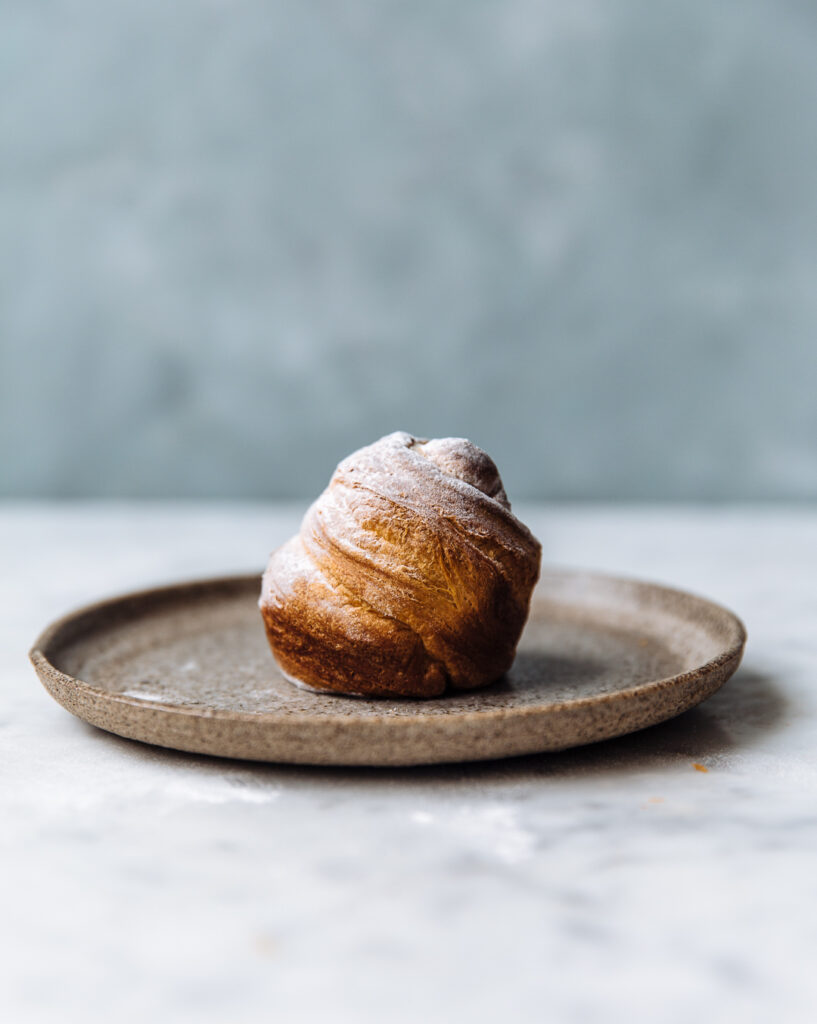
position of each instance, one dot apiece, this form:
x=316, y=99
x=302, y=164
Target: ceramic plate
x=188, y=667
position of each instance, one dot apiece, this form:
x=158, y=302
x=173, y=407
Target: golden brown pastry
x=410, y=574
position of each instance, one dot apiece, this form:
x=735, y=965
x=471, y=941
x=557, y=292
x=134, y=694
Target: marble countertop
x=611, y=883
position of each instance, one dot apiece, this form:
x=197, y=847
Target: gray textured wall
x=239, y=239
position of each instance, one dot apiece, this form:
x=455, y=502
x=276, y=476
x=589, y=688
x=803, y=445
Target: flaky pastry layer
x=409, y=575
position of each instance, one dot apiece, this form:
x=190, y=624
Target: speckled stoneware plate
x=188, y=667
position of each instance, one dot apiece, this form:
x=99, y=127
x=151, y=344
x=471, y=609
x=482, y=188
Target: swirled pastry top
x=409, y=574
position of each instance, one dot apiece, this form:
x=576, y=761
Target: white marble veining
x=612, y=883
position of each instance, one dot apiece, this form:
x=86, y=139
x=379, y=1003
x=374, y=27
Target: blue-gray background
x=239, y=239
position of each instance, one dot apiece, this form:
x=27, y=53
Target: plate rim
x=47, y=670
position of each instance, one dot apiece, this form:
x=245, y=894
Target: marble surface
x=613, y=883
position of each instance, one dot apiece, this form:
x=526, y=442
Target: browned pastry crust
x=409, y=574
